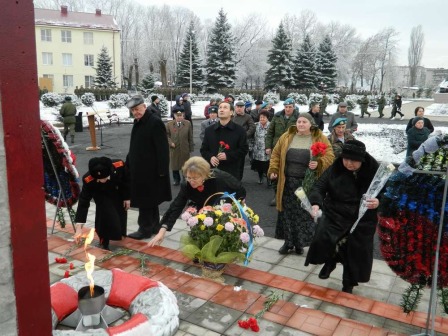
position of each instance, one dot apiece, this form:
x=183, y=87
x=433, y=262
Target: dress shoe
x=347, y=289
x=286, y=248
x=299, y=250
x=273, y=202
x=138, y=235
x=327, y=269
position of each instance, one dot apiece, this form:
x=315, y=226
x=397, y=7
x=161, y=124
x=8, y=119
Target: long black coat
x=338, y=193
x=110, y=215
x=233, y=135
x=219, y=182
x=148, y=162
x=415, y=138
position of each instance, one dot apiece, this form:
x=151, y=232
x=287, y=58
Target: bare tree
x=387, y=49
x=415, y=53
x=248, y=31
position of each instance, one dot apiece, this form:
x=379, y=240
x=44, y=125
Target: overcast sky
x=368, y=17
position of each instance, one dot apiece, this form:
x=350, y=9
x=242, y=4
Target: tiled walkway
x=309, y=306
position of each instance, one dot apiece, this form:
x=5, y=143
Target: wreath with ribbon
x=409, y=223
x=55, y=150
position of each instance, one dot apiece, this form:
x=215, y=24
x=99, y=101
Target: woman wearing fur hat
x=338, y=193
x=107, y=184
x=289, y=161
x=417, y=135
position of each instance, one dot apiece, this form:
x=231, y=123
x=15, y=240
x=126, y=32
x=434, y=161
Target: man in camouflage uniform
x=68, y=113
x=339, y=135
x=381, y=103
x=323, y=105
x=364, y=103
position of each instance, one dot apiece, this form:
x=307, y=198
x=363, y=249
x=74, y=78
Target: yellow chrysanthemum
x=201, y=217
x=202, y=227
x=250, y=211
x=219, y=227
x=218, y=213
x=256, y=218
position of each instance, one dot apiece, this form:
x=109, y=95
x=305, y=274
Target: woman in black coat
x=201, y=185
x=417, y=135
x=338, y=192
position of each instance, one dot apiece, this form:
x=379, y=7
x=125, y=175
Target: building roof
x=66, y=18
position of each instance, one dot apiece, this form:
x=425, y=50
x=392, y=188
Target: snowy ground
x=384, y=142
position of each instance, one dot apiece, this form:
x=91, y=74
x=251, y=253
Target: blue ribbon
x=250, y=248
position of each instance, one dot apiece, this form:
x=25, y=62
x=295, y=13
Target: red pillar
x=19, y=111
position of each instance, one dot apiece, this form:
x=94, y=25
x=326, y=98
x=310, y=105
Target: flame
x=89, y=266
x=89, y=238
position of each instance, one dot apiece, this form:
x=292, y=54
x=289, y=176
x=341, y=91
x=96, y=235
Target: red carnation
x=227, y=146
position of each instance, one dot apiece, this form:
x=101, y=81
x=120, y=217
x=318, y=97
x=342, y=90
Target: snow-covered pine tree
x=147, y=84
x=183, y=68
x=221, y=64
x=326, y=65
x=305, y=75
x=279, y=74
x=103, y=78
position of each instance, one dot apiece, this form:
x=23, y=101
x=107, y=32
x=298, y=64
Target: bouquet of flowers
x=317, y=150
x=220, y=234
x=222, y=147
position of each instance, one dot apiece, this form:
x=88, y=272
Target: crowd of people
x=279, y=145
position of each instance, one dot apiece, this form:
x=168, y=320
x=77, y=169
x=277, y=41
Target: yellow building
x=68, y=44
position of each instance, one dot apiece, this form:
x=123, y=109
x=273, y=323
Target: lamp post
x=191, y=62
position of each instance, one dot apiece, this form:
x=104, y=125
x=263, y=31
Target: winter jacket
x=278, y=158
x=415, y=138
x=246, y=122
x=68, y=112
x=338, y=193
x=278, y=126
x=426, y=123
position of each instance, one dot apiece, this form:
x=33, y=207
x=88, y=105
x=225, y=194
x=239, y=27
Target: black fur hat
x=100, y=167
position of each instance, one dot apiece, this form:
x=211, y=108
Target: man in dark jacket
x=107, y=184
x=315, y=113
x=246, y=122
x=148, y=163
x=225, y=143
x=68, y=112
x=179, y=106
x=154, y=107
x=187, y=108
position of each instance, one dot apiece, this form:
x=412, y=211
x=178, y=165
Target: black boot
x=329, y=267
x=286, y=248
x=347, y=289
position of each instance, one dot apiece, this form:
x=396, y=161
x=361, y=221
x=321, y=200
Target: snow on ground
x=383, y=142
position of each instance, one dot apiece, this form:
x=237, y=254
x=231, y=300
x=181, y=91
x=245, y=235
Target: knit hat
x=354, y=150
x=248, y=104
x=288, y=101
x=134, y=101
x=414, y=120
x=154, y=97
x=100, y=167
x=339, y=121
x=308, y=116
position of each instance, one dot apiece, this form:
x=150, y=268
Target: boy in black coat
x=107, y=183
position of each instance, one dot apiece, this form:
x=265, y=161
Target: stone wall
x=8, y=315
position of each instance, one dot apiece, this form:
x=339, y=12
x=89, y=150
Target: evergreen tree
x=104, y=77
x=183, y=69
x=147, y=84
x=305, y=74
x=221, y=64
x=326, y=65
x=279, y=74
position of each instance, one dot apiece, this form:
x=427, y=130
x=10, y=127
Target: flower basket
x=220, y=235
x=213, y=271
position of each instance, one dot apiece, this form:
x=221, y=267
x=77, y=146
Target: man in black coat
x=225, y=143
x=107, y=183
x=317, y=116
x=148, y=163
x=154, y=107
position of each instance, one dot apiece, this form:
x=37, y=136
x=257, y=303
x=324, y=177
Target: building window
x=67, y=80
x=66, y=36
x=67, y=59
x=45, y=35
x=88, y=38
x=88, y=60
x=47, y=58
x=88, y=81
